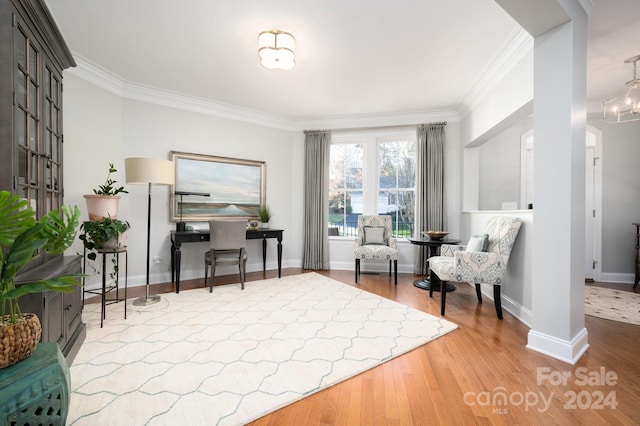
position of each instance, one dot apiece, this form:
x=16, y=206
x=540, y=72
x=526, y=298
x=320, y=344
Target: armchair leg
x=395, y=271
x=443, y=296
x=498, y=302
x=478, y=293
x=357, y=269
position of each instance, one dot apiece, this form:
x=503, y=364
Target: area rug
x=616, y=305
x=235, y=355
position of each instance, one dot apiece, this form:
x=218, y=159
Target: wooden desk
x=177, y=238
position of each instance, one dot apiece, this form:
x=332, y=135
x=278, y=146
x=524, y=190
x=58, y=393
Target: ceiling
x=353, y=58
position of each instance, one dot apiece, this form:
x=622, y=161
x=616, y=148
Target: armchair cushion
x=447, y=250
x=374, y=235
x=472, y=267
x=478, y=243
x=376, y=251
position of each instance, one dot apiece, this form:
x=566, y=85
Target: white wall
x=620, y=187
x=507, y=103
x=499, y=176
x=101, y=127
x=511, y=94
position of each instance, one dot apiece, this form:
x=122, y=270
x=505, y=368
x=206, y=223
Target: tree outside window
x=396, y=184
x=345, y=187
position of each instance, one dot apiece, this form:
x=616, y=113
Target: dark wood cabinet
x=32, y=58
x=33, y=55
x=60, y=313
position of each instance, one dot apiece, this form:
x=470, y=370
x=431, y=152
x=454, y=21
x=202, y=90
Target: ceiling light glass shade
x=276, y=50
x=626, y=105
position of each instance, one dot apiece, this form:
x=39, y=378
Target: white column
x=559, y=122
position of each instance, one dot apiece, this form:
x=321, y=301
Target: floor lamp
x=148, y=171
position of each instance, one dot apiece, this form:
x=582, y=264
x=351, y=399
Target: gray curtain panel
x=430, y=213
x=316, y=183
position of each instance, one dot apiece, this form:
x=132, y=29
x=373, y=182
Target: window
x=345, y=187
x=372, y=173
x=396, y=183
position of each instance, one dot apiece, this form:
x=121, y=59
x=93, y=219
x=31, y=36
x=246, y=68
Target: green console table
x=35, y=391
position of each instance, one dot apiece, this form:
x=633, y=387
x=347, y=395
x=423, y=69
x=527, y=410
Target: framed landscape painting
x=210, y=187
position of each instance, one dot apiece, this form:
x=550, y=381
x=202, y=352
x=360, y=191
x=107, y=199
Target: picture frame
x=208, y=187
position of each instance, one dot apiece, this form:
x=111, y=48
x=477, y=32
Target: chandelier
x=276, y=49
x=626, y=105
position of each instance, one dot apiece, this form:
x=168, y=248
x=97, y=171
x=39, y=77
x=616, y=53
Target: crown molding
x=515, y=47
x=112, y=83
x=96, y=75
x=381, y=120
x=179, y=101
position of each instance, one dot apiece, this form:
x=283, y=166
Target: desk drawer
x=190, y=237
x=258, y=235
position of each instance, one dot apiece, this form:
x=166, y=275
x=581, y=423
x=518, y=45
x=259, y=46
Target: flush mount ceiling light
x=276, y=49
x=626, y=105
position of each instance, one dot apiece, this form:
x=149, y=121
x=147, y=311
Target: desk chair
x=228, y=247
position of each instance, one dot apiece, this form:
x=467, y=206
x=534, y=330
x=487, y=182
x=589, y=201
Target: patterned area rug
x=615, y=305
x=233, y=356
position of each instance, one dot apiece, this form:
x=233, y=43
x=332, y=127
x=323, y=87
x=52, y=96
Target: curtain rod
x=439, y=123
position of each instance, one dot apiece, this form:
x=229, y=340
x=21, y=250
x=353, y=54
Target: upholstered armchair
x=375, y=242
x=482, y=261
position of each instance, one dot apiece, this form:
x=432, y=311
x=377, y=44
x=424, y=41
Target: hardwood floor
x=466, y=376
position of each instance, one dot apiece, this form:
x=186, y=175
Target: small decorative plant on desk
x=265, y=216
x=104, y=200
x=106, y=234
x=22, y=238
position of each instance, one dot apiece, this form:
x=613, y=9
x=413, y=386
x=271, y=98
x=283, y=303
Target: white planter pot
x=264, y=225
x=101, y=206
x=113, y=244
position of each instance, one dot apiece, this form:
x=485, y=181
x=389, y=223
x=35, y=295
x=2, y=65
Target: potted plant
x=265, y=216
x=104, y=200
x=22, y=238
x=106, y=234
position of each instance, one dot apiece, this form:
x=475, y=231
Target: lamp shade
x=276, y=49
x=140, y=170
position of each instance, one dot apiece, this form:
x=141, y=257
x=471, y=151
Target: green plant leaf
x=58, y=233
x=63, y=284
x=22, y=251
x=16, y=215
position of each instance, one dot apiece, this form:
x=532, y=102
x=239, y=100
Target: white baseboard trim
x=520, y=312
x=566, y=351
x=616, y=277
x=370, y=266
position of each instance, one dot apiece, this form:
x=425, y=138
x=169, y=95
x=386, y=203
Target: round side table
x=433, y=247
